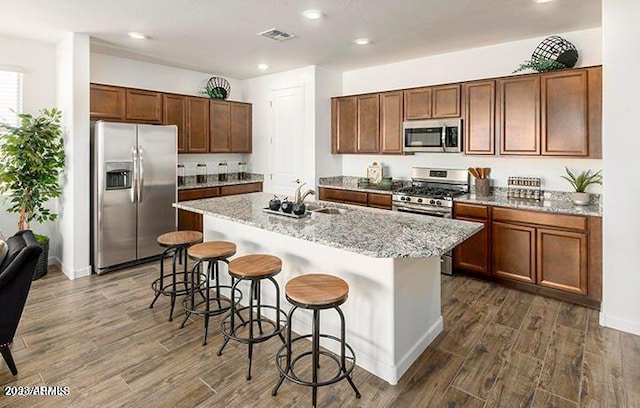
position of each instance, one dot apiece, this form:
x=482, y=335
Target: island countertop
x=367, y=231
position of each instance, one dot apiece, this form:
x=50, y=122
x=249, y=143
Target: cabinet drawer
x=539, y=218
x=470, y=210
x=240, y=189
x=352, y=197
x=198, y=193
x=380, y=201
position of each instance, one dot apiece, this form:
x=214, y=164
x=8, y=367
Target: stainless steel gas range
x=431, y=193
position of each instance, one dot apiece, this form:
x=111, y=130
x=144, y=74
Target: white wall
x=328, y=84
x=477, y=63
x=621, y=31
x=73, y=99
x=258, y=92
x=37, y=61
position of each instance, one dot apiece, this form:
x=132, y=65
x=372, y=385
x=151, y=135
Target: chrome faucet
x=298, y=197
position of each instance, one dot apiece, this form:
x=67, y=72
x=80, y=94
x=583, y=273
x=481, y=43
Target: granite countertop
x=212, y=181
x=351, y=183
x=560, y=206
x=367, y=231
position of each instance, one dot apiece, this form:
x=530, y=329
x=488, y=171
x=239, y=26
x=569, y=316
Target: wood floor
x=500, y=348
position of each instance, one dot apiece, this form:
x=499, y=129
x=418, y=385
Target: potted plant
x=580, y=184
x=32, y=156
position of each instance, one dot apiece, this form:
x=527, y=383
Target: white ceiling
x=219, y=36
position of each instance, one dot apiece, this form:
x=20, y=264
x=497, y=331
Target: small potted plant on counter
x=32, y=156
x=580, y=184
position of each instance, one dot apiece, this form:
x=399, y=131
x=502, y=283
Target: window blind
x=10, y=96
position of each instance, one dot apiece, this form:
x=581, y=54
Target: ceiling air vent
x=277, y=34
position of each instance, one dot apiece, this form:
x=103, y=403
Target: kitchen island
x=391, y=261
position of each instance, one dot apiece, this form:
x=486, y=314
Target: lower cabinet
x=555, y=254
x=382, y=201
x=188, y=220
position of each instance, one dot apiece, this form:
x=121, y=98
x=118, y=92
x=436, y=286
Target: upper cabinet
x=368, y=113
x=391, y=114
x=106, y=102
x=432, y=102
x=518, y=115
x=479, y=123
x=356, y=124
x=204, y=125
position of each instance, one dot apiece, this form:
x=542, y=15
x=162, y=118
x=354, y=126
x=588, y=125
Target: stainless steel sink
x=327, y=210
x=313, y=207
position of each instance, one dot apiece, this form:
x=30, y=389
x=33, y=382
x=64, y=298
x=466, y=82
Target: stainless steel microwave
x=433, y=135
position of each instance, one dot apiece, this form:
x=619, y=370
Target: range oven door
x=432, y=136
x=446, y=260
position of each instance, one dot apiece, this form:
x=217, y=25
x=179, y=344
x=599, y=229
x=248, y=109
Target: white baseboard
x=618, y=323
x=418, y=348
x=54, y=261
x=75, y=274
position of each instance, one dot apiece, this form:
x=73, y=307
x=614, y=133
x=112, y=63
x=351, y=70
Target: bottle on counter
x=223, y=170
x=242, y=171
x=182, y=175
x=201, y=173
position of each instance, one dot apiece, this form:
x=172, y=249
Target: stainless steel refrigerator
x=134, y=187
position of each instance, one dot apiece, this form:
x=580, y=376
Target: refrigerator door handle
x=134, y=182
x=141, y=174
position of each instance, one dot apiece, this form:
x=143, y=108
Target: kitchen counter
x=213, y=181
x=560, y=206
x=390, y=260
x=351, y=183
x=367, y=231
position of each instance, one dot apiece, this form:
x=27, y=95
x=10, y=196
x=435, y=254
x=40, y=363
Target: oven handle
x=414, y=210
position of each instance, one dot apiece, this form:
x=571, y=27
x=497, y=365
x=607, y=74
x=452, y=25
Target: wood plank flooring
x=500, y=348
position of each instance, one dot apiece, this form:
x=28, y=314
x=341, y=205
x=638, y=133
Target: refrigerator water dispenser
x=119, y=175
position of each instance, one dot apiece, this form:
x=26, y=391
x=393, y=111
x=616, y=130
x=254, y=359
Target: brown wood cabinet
x=432, y=102
x=562, y=260
x=197, y=125
x=473, y=254
x=514, y=252
x=382, y=201
x=518, y=115
x=106, y=102
x=375, y=200
x=143, y=106
x=391, y=116
x=220, y=127
x=479, y=115
x=368, y=134
x=565, y=110
x=241, y=127
x=188, y=220
x=174, y=112
x=344, y=119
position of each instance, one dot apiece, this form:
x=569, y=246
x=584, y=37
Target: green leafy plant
x=542, y=65
x=32, y=156
x=582, y=180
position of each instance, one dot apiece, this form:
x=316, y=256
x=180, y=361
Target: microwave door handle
x=443, y=138
x=134, y=182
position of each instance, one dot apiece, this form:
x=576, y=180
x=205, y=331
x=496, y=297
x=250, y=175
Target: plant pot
x=43, y=260
x=580, y=198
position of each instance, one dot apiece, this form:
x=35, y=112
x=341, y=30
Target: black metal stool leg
x=343, y=351
x=160, y=287
x=315, y=335
x=192, y=294
x=206, y=315
x=252, y=291
x=288, y=344
x=259, y=302
x=232, y=315
x=216, y=278
x=173, y=294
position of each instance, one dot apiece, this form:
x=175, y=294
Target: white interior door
x=287, y=140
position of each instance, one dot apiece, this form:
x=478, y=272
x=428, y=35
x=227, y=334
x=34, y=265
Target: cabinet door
x=174, y=112
x=344, y=124
x=106, y=102
x=473, y=254
x=382, y=201
x=144, y=106
x=513, y=252
x=445, y=101
x=594, y=77
x=562, y=260
x=519, y=115
x=565, y=127
x=197, y=125
x=240, y=189
x=240, y=128
x=479, y=123
x=391, y=114
x=417, y=104
x=220, y=127
x=189, y=221
x=368, y=123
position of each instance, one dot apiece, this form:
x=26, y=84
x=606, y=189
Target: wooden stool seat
x=212, y=250
x=176, y=238
x=317, y=289
x=255, y=266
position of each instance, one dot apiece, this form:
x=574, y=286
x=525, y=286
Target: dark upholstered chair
x=16, y=273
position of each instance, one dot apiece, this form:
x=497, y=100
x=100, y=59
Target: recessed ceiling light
x=312, y=14
x=137, y=36
x=542, y=1
x=263, y=67
x=362, y=41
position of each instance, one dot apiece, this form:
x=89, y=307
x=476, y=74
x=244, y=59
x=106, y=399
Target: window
x=10, y=96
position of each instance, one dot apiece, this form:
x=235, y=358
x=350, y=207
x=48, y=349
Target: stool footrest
x=277, y=329
x=168, y=290
x=201, y=311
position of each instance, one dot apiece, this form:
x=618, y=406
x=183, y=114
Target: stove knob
x=438, y=202
x=432, y=202
x=403, y=198
x=419, y=200
x=408, y=198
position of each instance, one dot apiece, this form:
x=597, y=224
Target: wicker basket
x=43, y=261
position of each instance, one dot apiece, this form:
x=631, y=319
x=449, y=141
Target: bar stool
x=176, y=242
x=255, y=269
x=211, y=252
x=316, y=292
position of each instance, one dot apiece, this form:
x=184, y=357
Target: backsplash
x=190, y=161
